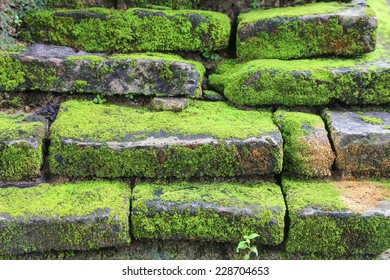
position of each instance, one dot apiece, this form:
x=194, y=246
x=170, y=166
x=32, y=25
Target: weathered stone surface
x=307, y=31
x=306, y=82
x=306, y=147
x=212, y=96
x=206, y=139
x=78, y=216
x=217, y=212
x=62, y=69
x=21, y=143
x=338, y=219
x=132, y=30
x=361, y=141
x=169, y=104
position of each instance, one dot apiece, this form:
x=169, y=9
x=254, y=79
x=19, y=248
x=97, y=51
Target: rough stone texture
x=365, y=80
x=132, y=30
x=306, y=147
x=362, y=148
x=288, y=33
x=212, y=96
x=62, y=69
x=21, y=143
x=218, y=212
x=169, y=104
x=80, y=216
x=206, y=139
x=324, y=226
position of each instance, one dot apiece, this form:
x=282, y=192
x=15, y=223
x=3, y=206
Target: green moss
x=382, y=11
x=79, y=85
x=301, y=156
x=11, y=72
x=215, y=119
x=305, y=82
x=124, y=31
x=334, y=233
x=387, y=127
x=371, y=120
x=23, y=158
x=67, y=211
x=265, y=202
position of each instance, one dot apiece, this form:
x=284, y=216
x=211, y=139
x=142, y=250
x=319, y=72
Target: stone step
x=361, y=141
x=132, y=30
x=306, y=147
x=205, y=139
x=68, y=216
x=307, y=31
x=338, y=219
x=21, y=143
x=221, y=212
x=62, y=69
x=306, y=82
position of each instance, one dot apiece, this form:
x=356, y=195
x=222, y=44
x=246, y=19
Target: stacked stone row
x=207, y=139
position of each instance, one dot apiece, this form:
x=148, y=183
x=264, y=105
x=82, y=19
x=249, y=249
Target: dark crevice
x=287, y=221
x=329, y=134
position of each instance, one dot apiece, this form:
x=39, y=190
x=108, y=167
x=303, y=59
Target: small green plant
x=255, y=4
x=245, y=245
x=99, y=99
x=211, y=55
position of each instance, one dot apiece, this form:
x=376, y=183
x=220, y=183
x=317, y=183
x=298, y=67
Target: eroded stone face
x=21, y=146
x=362, y=142
x=221, y=212
x=307, y=31
x=331, y=220
x=113, y=141
x=78, y=216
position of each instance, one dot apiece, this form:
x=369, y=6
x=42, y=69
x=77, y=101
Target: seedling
x=245, y=245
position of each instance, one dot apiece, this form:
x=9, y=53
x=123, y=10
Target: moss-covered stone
x=217, y=212
x=324, y=223
x=306, y=82
x=206, y=139
x=21, y=141
x=61, y=69
x=71, y=216
x=103, y=30
x=306, y=31
x=306, y=146
x=362, y=147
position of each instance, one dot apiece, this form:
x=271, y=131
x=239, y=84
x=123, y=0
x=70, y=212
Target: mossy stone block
x=307, y=31
x=62, y=69
x=132, y=30
x=336, y=220
x=21, y=144
x=306, y=147
x=361, y=141
x=365, y=80
x=69, y=216
x=221, y=212
x=205, y=139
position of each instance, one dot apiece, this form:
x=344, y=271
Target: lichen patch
x=362, y=196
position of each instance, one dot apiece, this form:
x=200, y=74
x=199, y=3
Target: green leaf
x=246, y=257
x=254, y=250
x=242, y=245
x=252, y=236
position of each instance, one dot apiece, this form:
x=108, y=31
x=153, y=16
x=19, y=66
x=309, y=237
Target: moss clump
x=103, y=30
x=286, y=33
x=192, y=211
x=72, y=216
x=322, y=226
x=371, y=120
x=21, y=140
x=306, y=149
x=123, y=127
x=305, y=82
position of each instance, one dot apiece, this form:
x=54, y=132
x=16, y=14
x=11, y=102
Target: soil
x=362, y=196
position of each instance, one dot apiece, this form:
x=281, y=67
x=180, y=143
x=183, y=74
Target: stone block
x=361, y=141
x=221, y=212
x=68, y=216
x=205, y=139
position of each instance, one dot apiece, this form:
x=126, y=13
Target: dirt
x=362, y=196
